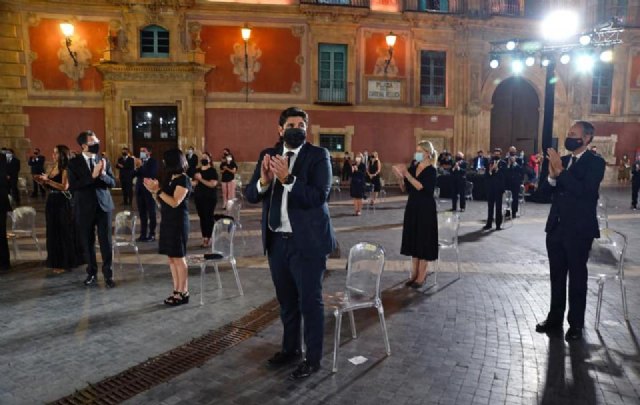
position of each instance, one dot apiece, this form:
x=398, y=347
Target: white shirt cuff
x=261, y=190
x=552, y=181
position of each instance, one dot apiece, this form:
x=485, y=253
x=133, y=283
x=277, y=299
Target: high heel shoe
x=171, y=300
x=410, y=282
x=417, y=285
x=185, y=297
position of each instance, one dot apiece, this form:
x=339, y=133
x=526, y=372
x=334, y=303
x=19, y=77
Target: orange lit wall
x=51, y=126
x=385, y=5
x=46, y=39
x=376, y=46
x=628, y=138
x=279, y=48
x=247, y=132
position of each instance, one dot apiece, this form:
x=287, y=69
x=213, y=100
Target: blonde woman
x=420, y=229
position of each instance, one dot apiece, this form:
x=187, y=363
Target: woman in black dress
x=205, y=195
x=358, y=172
x=228, y=170
x=373, y=173
x=174, y=228
x=420, y=229
x=62, y=254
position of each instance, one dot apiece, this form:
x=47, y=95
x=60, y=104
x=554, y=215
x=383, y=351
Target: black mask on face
x=95, y=148
x=204, y=162
x=496, y=158
x=458, y=158
x=294, y=137
x=572, y=144
x=36, y=153
x=124, y=154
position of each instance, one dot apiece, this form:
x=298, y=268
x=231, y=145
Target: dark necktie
x=91, y=165
x=573, y=161
x=276, y=200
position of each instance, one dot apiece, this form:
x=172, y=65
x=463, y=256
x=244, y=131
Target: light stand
x=246, y=34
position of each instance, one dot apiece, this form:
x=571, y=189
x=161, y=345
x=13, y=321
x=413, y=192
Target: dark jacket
x=13, y=170
x=4, y=188
x=89, y=193
x=514, y=174
x=575, y=197
x=635, y=171
x=193, y=164
x=128, y=167
x=148, y=170
x=496, y=180
x=474, y=163
x=37, y=164
x=307, y=202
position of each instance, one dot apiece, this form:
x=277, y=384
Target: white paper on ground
x=358, y=360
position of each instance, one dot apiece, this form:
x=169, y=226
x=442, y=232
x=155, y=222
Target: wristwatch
x=289, y=179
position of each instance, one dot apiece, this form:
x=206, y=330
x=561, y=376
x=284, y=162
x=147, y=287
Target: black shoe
x=498, y=228
x=282, y=359
x=110, y=283
x=486, y=227
x=548, y=326
x=90, y=281
x=151, y=239
x=573, y=334
x=142, y=239
x=304, y=370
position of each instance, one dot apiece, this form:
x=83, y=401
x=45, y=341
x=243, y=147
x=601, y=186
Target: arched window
x=154, y=42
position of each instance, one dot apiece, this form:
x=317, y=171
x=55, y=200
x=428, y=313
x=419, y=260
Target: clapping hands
x=151, y=185
x=555, y=163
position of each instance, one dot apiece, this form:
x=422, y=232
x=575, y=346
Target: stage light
x=565, y=58
x=494, y=62
x=585, y=40
x=530, y=61
x=560, y=25
x=517, y=66
x=606, y=55
x=585, y=62
x=511, y=45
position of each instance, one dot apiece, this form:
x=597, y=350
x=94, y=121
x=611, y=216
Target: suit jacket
x=13, y=169
x=89, y=193
x=635, y=172
x=461, y=172
x=4, y=189
x=496, y=181
x=128, y=167
x=149, y=169
x=37, y=164
x=514, y=175
x=575, y=197
x=307, y=201
x=485, y=162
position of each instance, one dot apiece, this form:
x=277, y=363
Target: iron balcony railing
x=435, y=6
x=510, y=8
x=333, y=92
x=344, y=3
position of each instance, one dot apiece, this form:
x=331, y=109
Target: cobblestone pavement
x=462, y=342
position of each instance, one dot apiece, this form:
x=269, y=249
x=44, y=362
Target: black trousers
x=206, y=205
x=86, y=237
x=127, y=190
x=458, y=186
x=515, y=194
x=635, y=187
x=298, y=283
x=37, y=186
x=4, y=243
x=494, y=202
x=568, y=255
x=15, y=193
x=147, y=212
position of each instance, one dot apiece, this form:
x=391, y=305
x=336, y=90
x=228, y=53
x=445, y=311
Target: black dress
x=206, y=198
x=357, y=181
x=174, y=228
x=420, y=229
x=227, y=176
x=62, y=251
x=374, y=166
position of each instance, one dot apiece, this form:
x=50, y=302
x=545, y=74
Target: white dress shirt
x=552, y=181
x=285, y=224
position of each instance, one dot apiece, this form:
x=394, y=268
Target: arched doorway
x=515, y=116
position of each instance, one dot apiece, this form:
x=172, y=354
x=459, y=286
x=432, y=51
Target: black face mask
x=95, y=148
x=36, y=153
x=496, y=158
x=294, y=137
x=572, y=144
x=204, y=162
x=124, y=154
x=458, y=159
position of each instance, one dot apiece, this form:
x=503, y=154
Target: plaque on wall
x=384, y=90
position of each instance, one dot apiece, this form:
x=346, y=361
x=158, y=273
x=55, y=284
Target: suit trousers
x=568, y=254
x=515, y=194
x=147, y=211
x=459, y=185
x=37, y=186
x=635, y=187
x=494, y=202
x=298, y=283
x=14, y=191
x=127, y=186
x=4, y=243
x=86, y=237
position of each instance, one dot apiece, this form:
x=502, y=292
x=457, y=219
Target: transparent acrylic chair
x=234, y=207
x=602, y=212
x=507, y=199
x=23, y=224
x=436, y=196
x=522, y=207
x=448, y=226
x=221, y=252
x=383, y=192
x=468, y=190
x=124, y=235
x=335, y=187
x=238, y=180
x=615, y=244
x=24, y=188
x=362, y=290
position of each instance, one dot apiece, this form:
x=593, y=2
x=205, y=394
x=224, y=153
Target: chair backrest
x=223, y=231
x=22, y=183
x=436, y=192
x=602, y=212
x=468, y=188
x=507, y=198
x=521, y=195
x=613, y=243
x=23, y=219
x=234, y=206
x=448, y=226
x=125, y=227
x=364, y=270
x=335, y=181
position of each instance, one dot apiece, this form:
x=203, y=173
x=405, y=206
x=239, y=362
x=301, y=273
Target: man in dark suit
x=514, y=175
x=126, y=166
x=571, y=227
x=146, y=168
x=192, y=160
x=36, y=163
x=480, y=162
x=13, y=171
x=4, y=208
x=495, y=181
x=459, y=177
x=635, y=184
x=90, y=178
x=293, y=181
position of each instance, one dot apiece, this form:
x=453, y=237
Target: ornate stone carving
x=298, y=30
x=37, y=85
x=194, y=30
x=237, y=60
x=83, y=55
x=166, y=72
x=31, y=56
x=300, y=60
x=378, y=70
x=117, y=36
x=296, y=88
x=33, y=19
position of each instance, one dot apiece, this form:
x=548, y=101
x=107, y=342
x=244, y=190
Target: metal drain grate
x=140, y=378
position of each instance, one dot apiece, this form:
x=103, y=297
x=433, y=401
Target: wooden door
x=515, y=116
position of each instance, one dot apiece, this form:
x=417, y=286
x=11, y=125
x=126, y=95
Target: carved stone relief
x=253, y=64
x=83, y=56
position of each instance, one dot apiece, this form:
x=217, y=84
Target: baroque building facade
x=172, y=73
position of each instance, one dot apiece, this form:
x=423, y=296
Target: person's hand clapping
x=151, y=185
x=400, y=171
x=280, y=167
x=266, y=176
x=98, y=168
x=555, y=163
x=197, y=176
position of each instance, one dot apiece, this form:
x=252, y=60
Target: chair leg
x=458, y=261
x=599, y=305
x=303, y=347
x=623, y=291
x=215, y=267
x=435, y=275
x=35, y=238
x=383, y=325
x=135, y=248
x=336, y=340
x=16, y=251
x=118, y=252
x=352, y=321
x=203, y=266
x=235, y=273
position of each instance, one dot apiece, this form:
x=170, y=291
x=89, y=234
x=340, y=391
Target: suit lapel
x=300, y=159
